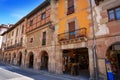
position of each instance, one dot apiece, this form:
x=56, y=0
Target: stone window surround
x=66, y=7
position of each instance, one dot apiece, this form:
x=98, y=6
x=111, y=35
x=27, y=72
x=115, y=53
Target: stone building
x=14, y=46
x=39, y=32
x=3, y=28
x=107, y=33
x=72, y=32
x=57, y=36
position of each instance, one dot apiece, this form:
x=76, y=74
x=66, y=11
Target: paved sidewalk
x=44, y=75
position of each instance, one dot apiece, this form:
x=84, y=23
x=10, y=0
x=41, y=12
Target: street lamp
x=94, y=45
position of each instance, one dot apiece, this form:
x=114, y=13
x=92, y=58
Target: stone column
x=91, y=65
x=58, y=60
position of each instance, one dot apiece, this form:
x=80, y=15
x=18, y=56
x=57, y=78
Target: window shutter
x=72, y=26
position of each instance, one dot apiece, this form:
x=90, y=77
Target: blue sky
x=13, y=10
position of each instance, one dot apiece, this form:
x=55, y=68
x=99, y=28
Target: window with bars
x=70, y=9
x=114, y=14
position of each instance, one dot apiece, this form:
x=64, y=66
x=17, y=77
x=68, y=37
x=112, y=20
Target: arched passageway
x=113, y=58
x=9, y=57
x=14, y=58
x=44, y=60
x=20, y=58
x=31, y=60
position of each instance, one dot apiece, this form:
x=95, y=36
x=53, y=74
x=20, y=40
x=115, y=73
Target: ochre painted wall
x=81, y=14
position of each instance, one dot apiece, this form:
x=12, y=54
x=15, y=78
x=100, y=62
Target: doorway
x=20, y=59
x=113, y=56
x=44, y=61
x=31, y=60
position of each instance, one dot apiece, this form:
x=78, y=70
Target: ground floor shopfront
x=72, y=59
x=108, y=55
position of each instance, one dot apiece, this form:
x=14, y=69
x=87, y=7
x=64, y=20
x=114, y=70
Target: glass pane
x=111, y=15
x=117, y=13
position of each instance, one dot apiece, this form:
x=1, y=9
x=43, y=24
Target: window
x=23, y=29
x=43, y=16
x=31, y=40
x=114, y=14
x=44, y=38
x=17, y=32
x=12, y=33
x=70, y=7
x=71, y=29
x=31, y=22
x=21, y=40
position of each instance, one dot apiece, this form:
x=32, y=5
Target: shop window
x=114, y=14
x=43, y=16
x=70, y=9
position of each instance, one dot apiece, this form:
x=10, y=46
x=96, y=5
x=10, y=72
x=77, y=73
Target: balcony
x=73, y=36
x=17, y=45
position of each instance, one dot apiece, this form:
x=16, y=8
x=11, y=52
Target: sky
x=12, y=11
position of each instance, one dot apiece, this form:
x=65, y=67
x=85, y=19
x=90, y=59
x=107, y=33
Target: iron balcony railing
x=14, y=46
x=72, y=35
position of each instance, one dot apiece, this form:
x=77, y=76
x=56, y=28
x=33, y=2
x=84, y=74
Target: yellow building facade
x=80, y=15
x=74, y=22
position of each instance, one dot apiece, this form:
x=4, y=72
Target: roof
x=40, y=7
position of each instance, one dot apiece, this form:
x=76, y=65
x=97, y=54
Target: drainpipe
x=95, y=63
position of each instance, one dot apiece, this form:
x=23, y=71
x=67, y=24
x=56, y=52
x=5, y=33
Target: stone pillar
x=51, y=62
x=102, y=69
x=58, y=60
x=91, y=65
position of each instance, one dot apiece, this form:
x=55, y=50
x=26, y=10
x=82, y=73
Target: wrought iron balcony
x=19, y=44
x=79, y=33
x=14, y=46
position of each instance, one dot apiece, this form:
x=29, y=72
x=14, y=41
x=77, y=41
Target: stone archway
x=14, y=58
x=113, y=57
x=20, y=58
x=9, y=57
x=44, y=60
x=31, y=60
